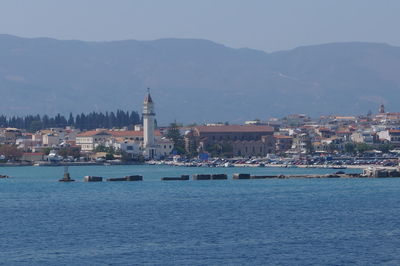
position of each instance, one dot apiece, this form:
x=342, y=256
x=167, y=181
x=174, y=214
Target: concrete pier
x=262, y=176
x=219, y=177
x=333, y=175
x=201, y=177
x=241, y=176
x=127, y=178
x=90, y=178
x=182, y=178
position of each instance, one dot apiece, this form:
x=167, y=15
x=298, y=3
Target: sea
x=319, y=221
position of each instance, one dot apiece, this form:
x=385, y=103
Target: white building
x=89, y=140
x=368, y=137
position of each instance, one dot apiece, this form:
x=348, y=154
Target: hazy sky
x=261, y=24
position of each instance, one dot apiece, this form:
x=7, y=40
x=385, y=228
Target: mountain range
x=195, y=80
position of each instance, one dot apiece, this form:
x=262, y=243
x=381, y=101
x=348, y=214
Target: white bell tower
x=148, y=127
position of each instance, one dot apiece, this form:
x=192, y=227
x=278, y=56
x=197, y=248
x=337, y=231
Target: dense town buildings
x=291, y=135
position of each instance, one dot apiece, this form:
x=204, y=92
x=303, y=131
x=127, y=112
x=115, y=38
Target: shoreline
x=49, y=164
x=341, y=167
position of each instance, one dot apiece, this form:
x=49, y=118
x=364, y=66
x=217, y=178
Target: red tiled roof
x=126, y=133
x=282, y=137
x=133, y=133
x=233, y=128
x=92, y=133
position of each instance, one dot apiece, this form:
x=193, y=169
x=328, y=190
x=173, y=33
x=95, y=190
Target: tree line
x=82, y=121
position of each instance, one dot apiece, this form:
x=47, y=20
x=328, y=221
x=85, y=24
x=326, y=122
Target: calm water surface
x=226, y=222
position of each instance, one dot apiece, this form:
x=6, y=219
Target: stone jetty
x=210, y=177
x=181, y=178
x=334, y=175
x=90, y=178
x=370, y=172
x=127, y=178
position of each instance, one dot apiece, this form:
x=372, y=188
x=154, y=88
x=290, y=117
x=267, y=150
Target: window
x=129, y=148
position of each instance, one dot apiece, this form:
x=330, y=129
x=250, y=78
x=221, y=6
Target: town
x=295, y=140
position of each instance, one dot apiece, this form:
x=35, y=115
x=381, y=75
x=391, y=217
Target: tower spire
x=382, y=109
x=148, y=99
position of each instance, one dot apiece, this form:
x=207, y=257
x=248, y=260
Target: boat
x=228, y=164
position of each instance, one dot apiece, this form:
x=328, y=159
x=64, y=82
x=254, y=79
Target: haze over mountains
x=195, y=80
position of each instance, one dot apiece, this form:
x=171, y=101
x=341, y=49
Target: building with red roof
x=242, y=140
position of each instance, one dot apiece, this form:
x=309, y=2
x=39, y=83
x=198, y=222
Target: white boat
x=228, y=164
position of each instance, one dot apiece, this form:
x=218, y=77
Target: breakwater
x=367, y=173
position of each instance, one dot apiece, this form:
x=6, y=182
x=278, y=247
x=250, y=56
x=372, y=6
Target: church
x=148, y=141
x=151, y=146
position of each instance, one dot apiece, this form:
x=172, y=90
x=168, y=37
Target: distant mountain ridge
x=195, y=80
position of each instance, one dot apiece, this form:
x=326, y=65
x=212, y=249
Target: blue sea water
x=221, y=222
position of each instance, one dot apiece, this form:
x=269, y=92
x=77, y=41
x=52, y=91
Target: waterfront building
x=32, y=156
x=390, y=136
x=238, y=140
x=365, y=136
x=10, y=135
x=283, y=143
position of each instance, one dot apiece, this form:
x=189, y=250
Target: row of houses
x=297, y=134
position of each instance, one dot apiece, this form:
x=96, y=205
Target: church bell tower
x=382, y=109
x=148, y=127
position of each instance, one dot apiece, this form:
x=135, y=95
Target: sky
x=268, y=25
